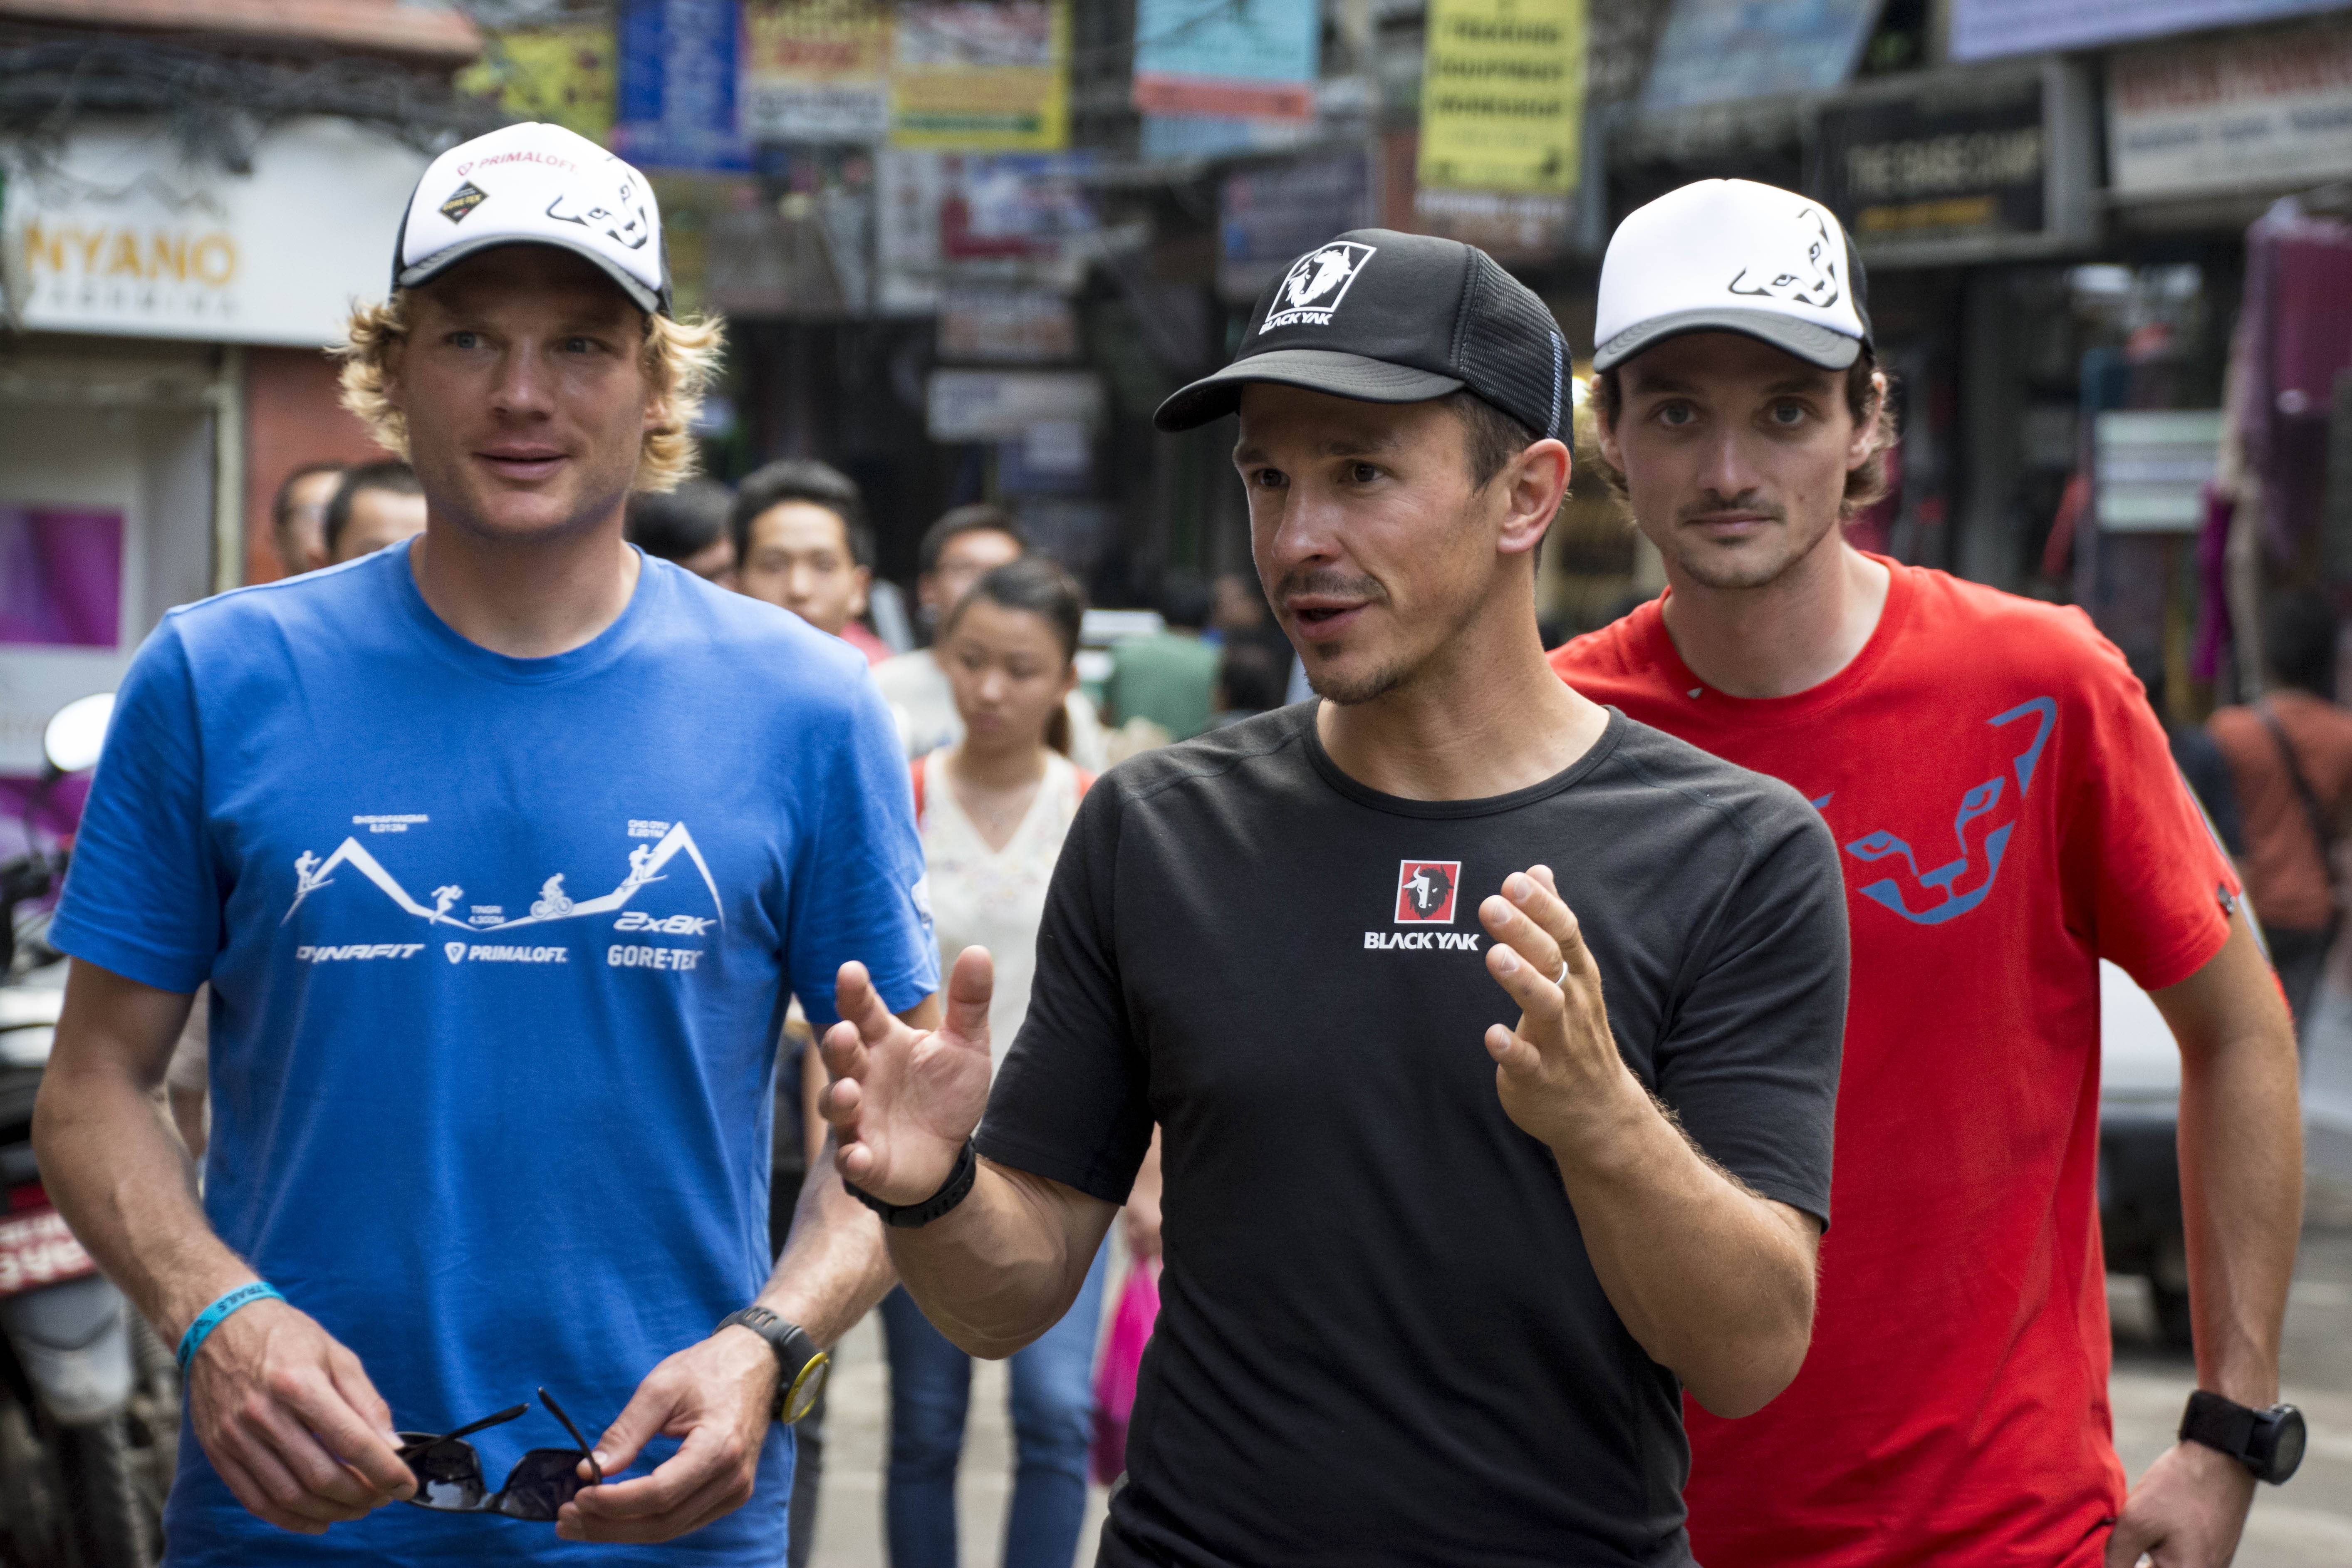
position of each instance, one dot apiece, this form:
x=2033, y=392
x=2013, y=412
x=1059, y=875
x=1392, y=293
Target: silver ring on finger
x=1562, y=978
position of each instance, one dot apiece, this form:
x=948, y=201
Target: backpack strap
x=2313, y=814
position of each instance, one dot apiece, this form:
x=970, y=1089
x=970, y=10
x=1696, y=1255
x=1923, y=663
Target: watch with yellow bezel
x=801, y=1364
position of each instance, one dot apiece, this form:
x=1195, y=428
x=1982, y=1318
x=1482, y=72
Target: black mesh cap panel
x=1511, y=352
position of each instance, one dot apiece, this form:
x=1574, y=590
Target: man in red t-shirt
x=2008, y=814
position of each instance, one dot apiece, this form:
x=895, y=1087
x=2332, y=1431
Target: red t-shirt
x=2010, y=814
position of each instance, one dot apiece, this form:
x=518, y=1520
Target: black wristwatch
x=912, y=1216
x=800, y=1366
x=2267, y=1442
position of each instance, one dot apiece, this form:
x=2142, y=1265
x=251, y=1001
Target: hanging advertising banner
x=118, y=235
x=678, y=67
x=1977, y=165
x=1005, y=405
x=1988, y=29
x=2265, y=110
x=1502, y=96
x=981, y=76
x=817, y=70
x=1267, y=217
x=1716, y=50
x=559, y=76
x=1254, y=61
x=1011, y=220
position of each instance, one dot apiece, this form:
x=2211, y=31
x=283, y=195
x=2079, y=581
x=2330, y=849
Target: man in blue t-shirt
x=502, y=850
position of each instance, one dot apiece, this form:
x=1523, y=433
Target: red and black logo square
x=1425, y=891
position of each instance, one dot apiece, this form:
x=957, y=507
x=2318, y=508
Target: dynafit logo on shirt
x=1425, y=891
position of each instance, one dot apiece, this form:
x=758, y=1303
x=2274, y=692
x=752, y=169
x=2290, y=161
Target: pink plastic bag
x=1130, y=1330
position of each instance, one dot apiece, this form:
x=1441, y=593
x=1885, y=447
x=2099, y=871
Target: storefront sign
x=1267, y=217
x=2265, y=110
x=980, y=76
x=1502, y=96
x=2153, y=469
x=679, y=61
x=1988, y=29
x=817, y=70
x=1004, y=404
x=1007, y=327
x=1009, y=221
x=1212, y=57
x=1714, y=50
x=1975, y=166
x=123, y=238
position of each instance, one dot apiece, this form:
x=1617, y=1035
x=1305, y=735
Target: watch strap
x=913, y=1216
x=2221, y=1424
x=795, y=1348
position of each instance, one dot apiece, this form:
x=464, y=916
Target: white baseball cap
x=535, y=184
x=1732, y=255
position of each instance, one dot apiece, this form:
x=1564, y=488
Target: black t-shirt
x=1381, y=1339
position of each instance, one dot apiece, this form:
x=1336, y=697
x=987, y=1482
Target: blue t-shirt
x=500, y=951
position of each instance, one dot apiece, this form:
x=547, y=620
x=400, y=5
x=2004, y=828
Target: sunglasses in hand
x=449, y=1472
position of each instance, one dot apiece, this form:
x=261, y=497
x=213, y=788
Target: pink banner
x=60, y=576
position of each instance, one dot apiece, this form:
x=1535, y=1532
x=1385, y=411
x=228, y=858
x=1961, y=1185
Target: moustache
x=1743, y=501
x=1329, y=580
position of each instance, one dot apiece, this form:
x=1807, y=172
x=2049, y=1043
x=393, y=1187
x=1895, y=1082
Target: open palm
x=903, y=1100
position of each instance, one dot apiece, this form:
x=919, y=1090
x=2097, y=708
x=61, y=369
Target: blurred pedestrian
x=2010, y=814
x=297, y=518
x=1170, y=677
x=1421, y=1303
x=964, y=545
x=992, y=809
x=1250, y=681
x=375, y=504
x=688, y=525
x=802, y=542
x=2290, y=756
x=485, y=1134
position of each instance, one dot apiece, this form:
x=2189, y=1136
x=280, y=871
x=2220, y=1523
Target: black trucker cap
x=1383, y=317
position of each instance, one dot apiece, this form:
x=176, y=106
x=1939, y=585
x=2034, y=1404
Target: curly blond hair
x=679, y=359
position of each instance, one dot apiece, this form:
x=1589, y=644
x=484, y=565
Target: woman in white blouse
x=992, y=809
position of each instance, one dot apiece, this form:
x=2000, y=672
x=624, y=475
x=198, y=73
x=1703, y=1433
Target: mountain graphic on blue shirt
x=645, y=863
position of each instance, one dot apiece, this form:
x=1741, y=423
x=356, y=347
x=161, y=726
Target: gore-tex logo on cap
x=1425, y=891
x=1316, y=284
x=463, y=200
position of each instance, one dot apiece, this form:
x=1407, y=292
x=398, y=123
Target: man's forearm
x=2241, y=1206
x=1713, y=1281
x=117, y=1174
x=1003, y=1266
x=835, y=1267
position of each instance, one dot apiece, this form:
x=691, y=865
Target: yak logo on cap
x=621, y=218
x=1316, y=284
x=463, y=200
x=1804, y=272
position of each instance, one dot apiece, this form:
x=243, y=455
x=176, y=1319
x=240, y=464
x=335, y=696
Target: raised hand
x=1553, y=1069
x=291, y=1423
x=903, y=1100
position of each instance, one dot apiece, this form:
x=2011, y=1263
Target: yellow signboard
x=990, y=76
x=563, y=75
x=1502, y=96
x=817, y=70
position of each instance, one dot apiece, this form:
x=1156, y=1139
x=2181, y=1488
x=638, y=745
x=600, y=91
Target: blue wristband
x=213, y=1316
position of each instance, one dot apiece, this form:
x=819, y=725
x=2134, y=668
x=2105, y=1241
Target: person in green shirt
x=1170, y=677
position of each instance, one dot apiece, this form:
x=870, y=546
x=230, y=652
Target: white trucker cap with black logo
x=535, y=184
x=1732, y=255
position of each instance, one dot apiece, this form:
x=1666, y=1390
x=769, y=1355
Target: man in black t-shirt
x=1423, y=1303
